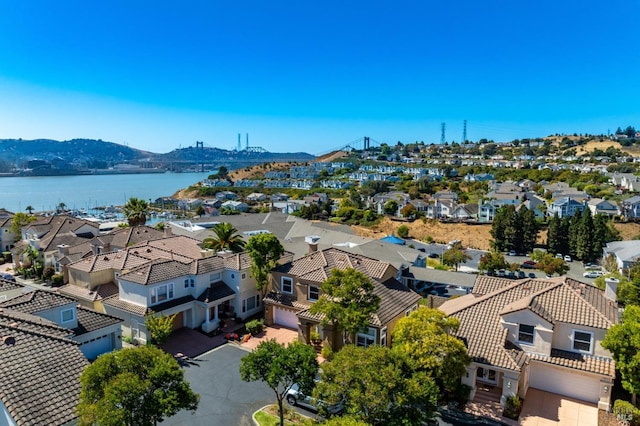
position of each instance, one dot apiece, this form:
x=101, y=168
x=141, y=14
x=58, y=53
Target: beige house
x=539, y=333
x=296, y=285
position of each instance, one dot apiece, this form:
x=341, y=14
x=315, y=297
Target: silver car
x=296, y=397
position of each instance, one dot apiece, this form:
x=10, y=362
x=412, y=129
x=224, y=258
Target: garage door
x=178, y=321
x=285, y=318
x=564, y=382
x=99, y=346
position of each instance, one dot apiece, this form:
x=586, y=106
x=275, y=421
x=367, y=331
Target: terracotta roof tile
x=578, y=362
x=37, y=301
x=556, y=300
x=156, y=271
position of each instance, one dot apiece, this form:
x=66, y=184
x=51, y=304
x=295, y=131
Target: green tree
x=280, y=367
x=623, y=340
x=347, y=300
x=554, y=234
x=409, y=210
x=160, y=327
x=136, y=211
x=426, y=336
x=403, y=231
x=200, y=210
x=134, y=386
x=226, y=238
x=528, y=228
x=19, y=221
x=603, y=233
x=265, y=251
x=574, y=233
x=391, y=207
x=492, y=260
x=584, y=244
x=455, y=256
x=502, y=228
x=29, y=209
x=378, y=385
x=550, y=264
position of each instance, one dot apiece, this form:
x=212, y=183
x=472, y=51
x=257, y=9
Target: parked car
x=512, y=253
x=296, y=397
x=532, y=275
x=567, y=258
x=511, y=275
x=528, y=264
x=502, y=273
x=559, y=255
x=422, y=249
x=434, y=255
x=8, y=277
x=593, y=274
x=521, y=274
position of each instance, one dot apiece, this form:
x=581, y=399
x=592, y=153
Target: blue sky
x=314, y=76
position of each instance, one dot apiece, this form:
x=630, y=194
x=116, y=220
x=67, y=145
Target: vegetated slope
x=474, y=236
x=208, y=154
x=72, y=151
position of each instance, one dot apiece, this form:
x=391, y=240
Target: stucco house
x=539, y=333
x=625, y=253
x=296, y=285
x=171, y=275
x=96, y=333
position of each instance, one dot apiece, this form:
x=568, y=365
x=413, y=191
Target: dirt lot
x=474, y=236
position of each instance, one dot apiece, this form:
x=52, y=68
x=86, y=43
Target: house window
x=366, y=338
x=214, y=278
x=67, y=315
x=251, y=303
x=186, y=283
x=314, y=292
x=383, y=336
x=162, y=293
x=582, y=341
x=525, y=333
x=244, y=276
x=287, y=285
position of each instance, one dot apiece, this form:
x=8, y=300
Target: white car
x=567, y=258
x=593, y=274
x=296, y=397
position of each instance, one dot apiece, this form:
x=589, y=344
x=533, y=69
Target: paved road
x=224, y=398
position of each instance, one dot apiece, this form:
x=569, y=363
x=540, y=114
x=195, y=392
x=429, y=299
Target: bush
x=626, y=412
x=7, y=256
x=403, y=231
x=512, y=407
x=48, y=272
x=327, y=352
x=254, y=326
x=57, y=279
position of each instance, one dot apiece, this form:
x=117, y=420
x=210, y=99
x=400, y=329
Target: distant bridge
x=361, y=144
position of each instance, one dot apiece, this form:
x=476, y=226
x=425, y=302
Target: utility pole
x=464, y=132
x=442, y=138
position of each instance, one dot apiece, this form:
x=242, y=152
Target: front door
x=487, y=375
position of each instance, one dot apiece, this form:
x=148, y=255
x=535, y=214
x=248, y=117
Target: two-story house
x=171, y=275
x=96, y=333
x=539, y=333
x=565, y=207
x=296, y=285
x=600, y=206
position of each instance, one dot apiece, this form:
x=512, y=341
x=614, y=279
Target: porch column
x=215, y=313
x=509, y=386
x=206, y=315
x=469, y=379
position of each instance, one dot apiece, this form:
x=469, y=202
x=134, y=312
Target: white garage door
x=92, y=349
x=563, y=382
x=285, y=318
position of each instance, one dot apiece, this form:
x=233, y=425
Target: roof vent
x=9, y=340
x=105, y=258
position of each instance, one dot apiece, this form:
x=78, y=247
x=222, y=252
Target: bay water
x=87, y=192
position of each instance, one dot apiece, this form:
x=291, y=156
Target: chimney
x=63, y=249
x=312, y=240
x=611, y=288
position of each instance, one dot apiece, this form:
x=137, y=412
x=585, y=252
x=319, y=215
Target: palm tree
x=136, y=211
x=61, y=207
x=226, y=238
x=29, y=209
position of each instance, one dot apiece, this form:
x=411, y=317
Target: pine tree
x=574, y=227
x=563, y=236
x=554, y=234
x=585, y=236
x=529, y=228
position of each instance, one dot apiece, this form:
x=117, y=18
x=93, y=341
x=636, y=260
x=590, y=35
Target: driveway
x=224, y=398
x=545, y=408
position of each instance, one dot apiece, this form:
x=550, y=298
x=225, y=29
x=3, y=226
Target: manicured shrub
x=254, y=326
x=57, y=280
x=626, y=412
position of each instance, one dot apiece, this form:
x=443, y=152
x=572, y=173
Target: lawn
x=268, y=416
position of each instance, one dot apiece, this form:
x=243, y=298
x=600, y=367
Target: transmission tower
x=442, y=138
x=464, y=132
